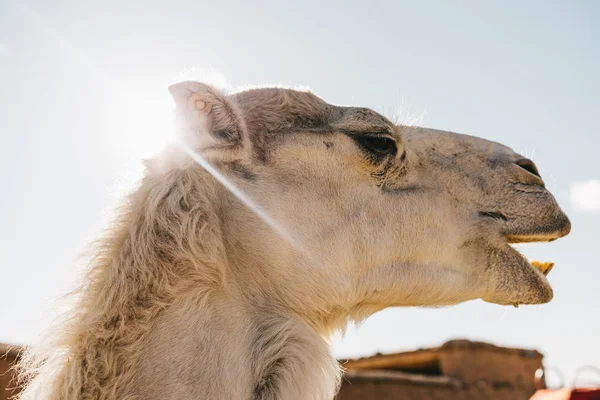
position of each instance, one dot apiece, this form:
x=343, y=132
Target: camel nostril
x=528, y=166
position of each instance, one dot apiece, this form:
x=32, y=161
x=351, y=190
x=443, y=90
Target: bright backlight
x=148, y=124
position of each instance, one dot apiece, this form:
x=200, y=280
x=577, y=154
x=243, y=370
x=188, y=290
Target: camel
x=273, y=221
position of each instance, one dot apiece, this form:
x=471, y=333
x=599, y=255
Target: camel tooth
x=544, y=267
x=548, y=268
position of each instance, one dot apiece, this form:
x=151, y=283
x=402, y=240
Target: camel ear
x=209, y=119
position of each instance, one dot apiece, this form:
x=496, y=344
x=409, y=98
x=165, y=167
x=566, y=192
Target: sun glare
x=148, y=110
x=149, y=124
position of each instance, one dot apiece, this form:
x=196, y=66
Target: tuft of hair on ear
x=208, y=119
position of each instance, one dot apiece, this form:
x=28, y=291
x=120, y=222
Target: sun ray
x=240, y=195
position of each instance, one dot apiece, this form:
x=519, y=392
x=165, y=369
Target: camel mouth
x=543, y=266
x=547, y=233
x=520, y=280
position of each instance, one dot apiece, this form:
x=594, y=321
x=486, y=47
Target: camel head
x=353, y=214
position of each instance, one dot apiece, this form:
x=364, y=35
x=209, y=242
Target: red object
x=585, y=394
x=567, y=394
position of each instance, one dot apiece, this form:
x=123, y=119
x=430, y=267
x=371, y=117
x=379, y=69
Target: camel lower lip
x=513, y=270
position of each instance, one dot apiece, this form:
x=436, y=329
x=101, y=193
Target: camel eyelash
x=377, y=147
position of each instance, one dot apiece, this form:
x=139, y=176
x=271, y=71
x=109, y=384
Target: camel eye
x=377, y=145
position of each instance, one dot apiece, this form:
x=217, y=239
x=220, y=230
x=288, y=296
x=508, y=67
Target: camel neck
x=226, y=349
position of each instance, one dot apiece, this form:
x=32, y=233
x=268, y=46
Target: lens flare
x=240, y=195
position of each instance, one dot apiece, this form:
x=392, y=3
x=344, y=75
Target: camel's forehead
x=275, y=109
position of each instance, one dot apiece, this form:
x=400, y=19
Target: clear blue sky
x=522, y=73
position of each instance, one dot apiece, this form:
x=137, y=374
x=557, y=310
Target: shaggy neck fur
x=161, y=300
